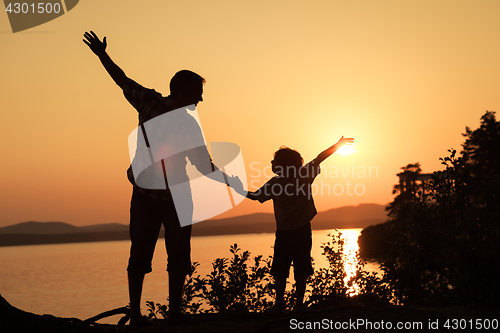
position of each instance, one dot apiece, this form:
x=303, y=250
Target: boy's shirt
x=292, y=196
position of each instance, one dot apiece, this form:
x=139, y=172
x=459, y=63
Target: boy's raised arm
x=327, y=152
x=99, y=48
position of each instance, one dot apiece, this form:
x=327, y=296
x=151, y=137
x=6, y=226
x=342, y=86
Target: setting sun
x=346, y=150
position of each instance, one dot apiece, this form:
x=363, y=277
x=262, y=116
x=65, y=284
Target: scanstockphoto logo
x=25, y=15
x=159, y=150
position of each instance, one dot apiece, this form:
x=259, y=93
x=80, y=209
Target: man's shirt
x=168, y=140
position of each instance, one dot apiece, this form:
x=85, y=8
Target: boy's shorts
x=293, y=246
x=146, y=217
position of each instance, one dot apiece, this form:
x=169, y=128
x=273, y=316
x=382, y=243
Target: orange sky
x=403, y=78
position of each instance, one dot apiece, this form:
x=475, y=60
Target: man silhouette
x=152, y=204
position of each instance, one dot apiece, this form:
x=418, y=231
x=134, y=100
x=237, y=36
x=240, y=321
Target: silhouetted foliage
x=329, y=283
x=444, y=247
x=405, y=196
x=232, y=285
x=481, y=152
x=374, y=240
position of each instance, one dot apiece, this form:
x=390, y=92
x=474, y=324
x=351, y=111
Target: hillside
x=360, y=216
x=56, y=228
x=28, y=233
x=32, y=227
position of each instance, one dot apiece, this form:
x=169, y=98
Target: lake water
x=84, y=279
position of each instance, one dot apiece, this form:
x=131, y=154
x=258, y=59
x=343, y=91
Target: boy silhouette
x=294, y=209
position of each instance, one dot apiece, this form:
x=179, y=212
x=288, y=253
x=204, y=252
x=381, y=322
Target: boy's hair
x=288, y=157
x=185, y=80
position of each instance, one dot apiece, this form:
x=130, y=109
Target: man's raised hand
x=94, y=43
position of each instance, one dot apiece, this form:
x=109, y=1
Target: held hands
x=98, y=47
x=237, y=185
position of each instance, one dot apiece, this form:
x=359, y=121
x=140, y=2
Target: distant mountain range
x=29, y=233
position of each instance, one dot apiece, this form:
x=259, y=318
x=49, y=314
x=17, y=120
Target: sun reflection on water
x=350, y=252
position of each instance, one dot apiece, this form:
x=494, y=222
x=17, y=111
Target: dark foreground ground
x=358, y=314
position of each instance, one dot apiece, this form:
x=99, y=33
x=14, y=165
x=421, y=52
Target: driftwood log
x=15, y=320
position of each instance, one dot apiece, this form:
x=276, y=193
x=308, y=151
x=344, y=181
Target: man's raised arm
x=99, y=48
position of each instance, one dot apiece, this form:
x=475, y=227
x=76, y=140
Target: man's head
x=186, y=88
x=286, y=161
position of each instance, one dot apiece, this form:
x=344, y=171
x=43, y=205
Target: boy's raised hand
x=327, y=152
x=344, y=141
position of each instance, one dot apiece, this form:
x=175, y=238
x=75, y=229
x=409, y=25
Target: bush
x=233, y=285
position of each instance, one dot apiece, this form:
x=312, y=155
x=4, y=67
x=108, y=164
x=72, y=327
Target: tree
x=405, y=191
x=482, y=146
x=481, y=152
x=444, y=244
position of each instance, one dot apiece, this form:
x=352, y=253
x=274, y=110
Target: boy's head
x=186, y=87
x=285, y=160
